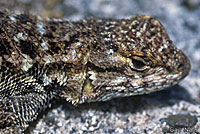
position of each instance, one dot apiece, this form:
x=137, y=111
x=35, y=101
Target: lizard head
x=134, y=56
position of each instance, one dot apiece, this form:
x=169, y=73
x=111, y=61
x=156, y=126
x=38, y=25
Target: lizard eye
x=138, y=64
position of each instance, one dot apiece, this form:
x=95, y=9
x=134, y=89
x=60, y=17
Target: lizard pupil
x=138, y=64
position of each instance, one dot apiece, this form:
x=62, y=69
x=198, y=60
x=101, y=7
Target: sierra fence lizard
x=84, y=61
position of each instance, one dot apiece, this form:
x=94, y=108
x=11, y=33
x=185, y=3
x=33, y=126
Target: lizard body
x=84, y=61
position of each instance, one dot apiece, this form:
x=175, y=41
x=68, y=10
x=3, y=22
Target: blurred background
x=137, y=114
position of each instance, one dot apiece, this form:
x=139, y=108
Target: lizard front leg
x=17, y=111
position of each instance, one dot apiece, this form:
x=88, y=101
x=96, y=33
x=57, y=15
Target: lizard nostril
x=180, y=66
x=184, y=65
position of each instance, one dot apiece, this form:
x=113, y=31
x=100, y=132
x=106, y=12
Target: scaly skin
x=84, y=61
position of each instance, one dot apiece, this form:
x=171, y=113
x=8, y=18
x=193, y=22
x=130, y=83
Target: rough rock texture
x=137, y=114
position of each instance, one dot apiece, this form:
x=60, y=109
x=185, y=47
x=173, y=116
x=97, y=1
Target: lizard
x=96, y=59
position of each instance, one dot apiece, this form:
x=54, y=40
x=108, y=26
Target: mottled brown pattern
x=84, y=61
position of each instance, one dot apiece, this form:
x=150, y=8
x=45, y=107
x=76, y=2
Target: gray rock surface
x=132, y=115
